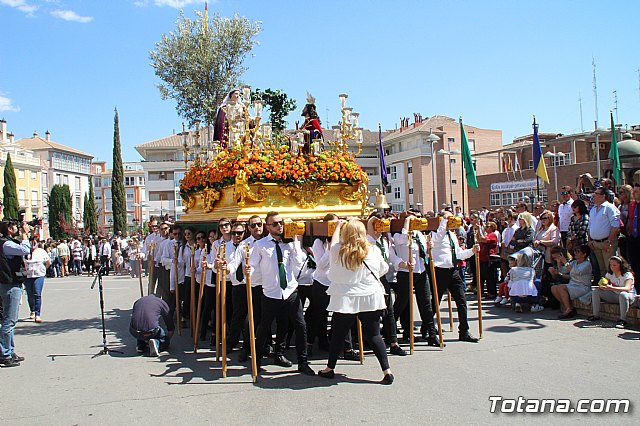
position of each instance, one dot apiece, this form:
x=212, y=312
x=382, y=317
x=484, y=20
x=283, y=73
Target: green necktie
x=380, y=244
x=281, y=272
x=422, y=252
x=454, y=258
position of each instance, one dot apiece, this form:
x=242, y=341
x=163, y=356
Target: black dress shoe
x=387, y=379
x=572, y=313
x=305, y=368
x=243, y=356
x=468, y=338
x=397, y=350
x=352, y=355
x=282, y=361
x=17, y=357
x=8, y=362
x=327, y=374
x=434, y=341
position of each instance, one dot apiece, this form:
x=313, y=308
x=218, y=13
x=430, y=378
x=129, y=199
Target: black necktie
x=454, y=258
x=380, y=244
x=239, y=272
x=282, y=275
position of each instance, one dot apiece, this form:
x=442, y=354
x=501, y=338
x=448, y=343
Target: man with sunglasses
x=604, y=226
x=163, y=273
x=151, y=239
x=565, y=211
x=256, y=230
x=275, y=262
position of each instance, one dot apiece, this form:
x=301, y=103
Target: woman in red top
x=488, y=270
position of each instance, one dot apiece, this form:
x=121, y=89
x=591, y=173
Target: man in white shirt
x=604, y=226
x=148, y=249
x=238, y=288
x=446, y=252
x=275, y=262
x=421, y=282
x=164, y=257
x=105, y=255
x=565, y=211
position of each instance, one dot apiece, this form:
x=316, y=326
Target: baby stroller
x=530, y=264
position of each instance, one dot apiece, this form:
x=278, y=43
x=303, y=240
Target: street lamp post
x=449, y=153
x=432, y=139
x=554, y=158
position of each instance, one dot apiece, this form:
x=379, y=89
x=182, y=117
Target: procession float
x=244, y=168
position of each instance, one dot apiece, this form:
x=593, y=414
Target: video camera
x=36, y=221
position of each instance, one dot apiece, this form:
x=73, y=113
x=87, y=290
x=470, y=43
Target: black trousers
x=633, y=256
x=341, y=324
x=229, y=302
x=162, y=290
x=389, y=329
x=489, y=274
x=422, y=291
x=282, y=311
x=319, y=323
x=239, y=317
x=104, y=264
x=305, y=292
x=208, y=308
x=185, y=298
x=449, y=279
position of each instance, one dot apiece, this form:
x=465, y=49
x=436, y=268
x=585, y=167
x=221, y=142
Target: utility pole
x=615, y=103
x=581, y=122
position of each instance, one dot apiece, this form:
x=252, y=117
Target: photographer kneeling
x=145, y=324
x=12, y=275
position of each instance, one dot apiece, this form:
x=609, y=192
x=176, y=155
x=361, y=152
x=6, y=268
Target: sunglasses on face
x=165, y=229
x=224, y=225
x=237, y=232
x=255, y=225
x=564, y=193
x=212, y=237
x=199, y=238
x=276, y=223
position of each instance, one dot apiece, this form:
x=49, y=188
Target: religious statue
x=230, y=119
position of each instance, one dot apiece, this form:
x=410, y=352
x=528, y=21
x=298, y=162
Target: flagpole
x=464, y=208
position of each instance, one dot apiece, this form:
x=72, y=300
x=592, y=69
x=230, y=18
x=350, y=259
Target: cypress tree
x=9, y=191
x=118, y=197
x=60, y=211
x=90, y=215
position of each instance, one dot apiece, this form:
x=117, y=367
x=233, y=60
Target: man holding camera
x=12, y=275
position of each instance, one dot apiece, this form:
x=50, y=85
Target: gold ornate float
x=259, y=171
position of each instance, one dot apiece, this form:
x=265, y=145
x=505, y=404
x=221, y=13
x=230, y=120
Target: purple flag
x=383, y=165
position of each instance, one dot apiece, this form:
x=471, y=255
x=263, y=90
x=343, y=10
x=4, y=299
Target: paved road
x=529, y=355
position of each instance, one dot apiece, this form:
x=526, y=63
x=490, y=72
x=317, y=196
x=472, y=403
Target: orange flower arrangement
x=273, y=167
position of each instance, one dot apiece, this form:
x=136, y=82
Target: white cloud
x=70, y=15
x=21, y=5
x=178, y=4
x=7, y=105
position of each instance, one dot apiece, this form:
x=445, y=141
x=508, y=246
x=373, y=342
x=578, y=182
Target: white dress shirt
x=565, y=211
x=207, y=276
x=152, y=238
x=507, y=234
x=441, y=250
x=166, y=253
x=264, y=260
x=239, y=259
x=401, y=241
x=105, y=249
x=184, y=257
x=180, y=266
x=231, y=252
x=321, y=254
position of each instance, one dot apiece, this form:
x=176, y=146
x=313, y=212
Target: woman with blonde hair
x=546, y=237
x=355, y=269
x=523, y=237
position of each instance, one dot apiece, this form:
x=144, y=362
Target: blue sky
x=65, y=65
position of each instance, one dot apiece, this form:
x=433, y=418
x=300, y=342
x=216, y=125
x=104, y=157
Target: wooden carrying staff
x=196, y=333
x=192, y=296
x=361, y=340
x=252, y=332
x=150, y=265
x=218, y=276
x=478, y=286
x=223, y=311
x=410, y=268
x=435, y=294
x=139, y=263
x=175, y=276
x=450, y=310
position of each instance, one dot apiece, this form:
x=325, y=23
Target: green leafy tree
x=201, y=61
x=279, y=106
x=89, y=216
x=9, y=191
x=60, y=222
x=118, y=197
